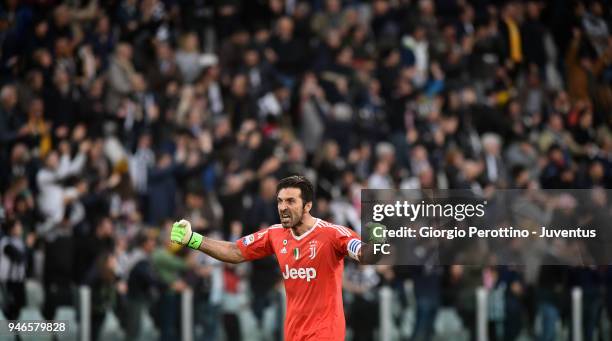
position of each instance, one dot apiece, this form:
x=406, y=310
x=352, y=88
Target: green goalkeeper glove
x=182, y=234
x=369, y=232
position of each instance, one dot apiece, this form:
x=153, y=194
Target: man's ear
x=308, y=207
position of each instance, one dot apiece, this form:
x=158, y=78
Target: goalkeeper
x=310, y=254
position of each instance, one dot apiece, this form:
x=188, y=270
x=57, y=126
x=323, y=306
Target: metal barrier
x=386, y=298
x=481, y=314
x=283, y=310
x=577, y=314
x=385, y=314
x=386, y=326
x=85, y=313
x=187, y=315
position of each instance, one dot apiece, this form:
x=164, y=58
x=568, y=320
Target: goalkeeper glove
x=380, y=237
x=182, y=234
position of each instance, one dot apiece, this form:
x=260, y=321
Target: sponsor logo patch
x=248, y=240
x=299, y=273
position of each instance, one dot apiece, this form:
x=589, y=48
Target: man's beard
x=301, y=216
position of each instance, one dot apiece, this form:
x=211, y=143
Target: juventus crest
x=312, y=246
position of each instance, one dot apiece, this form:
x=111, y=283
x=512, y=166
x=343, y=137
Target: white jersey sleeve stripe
x=341, y=231
x=345, y=229
x=342, y=228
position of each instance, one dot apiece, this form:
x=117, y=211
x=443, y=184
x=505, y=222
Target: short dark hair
x=298, y=181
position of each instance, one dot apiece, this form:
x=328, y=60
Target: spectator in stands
x=170, y=267
x=161, y=189
x=143, y=283
x=106, y=290
x=460, y=284
x=427, y=288
x=11, y=124
x=59, y=270
x=208, y=287
x=494, y=170
x=120, y=73
x=361, y=281
x=13, y=262
x=53, y=194
x=188, y=57
x=287, y=53
x=92, y=246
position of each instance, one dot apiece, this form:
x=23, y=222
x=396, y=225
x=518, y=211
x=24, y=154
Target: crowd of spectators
x=118, y=117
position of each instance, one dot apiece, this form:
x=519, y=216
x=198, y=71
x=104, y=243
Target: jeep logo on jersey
x=301, y=273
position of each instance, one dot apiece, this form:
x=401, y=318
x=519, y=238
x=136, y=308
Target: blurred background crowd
x=118, y=117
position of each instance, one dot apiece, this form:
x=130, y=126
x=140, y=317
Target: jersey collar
x=300, y=237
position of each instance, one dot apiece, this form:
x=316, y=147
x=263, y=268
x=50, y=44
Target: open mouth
x=285, y=217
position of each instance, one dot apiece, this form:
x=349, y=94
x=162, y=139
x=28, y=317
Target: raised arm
x=224, y=251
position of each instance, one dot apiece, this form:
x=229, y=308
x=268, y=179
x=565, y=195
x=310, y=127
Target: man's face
x=290, y=206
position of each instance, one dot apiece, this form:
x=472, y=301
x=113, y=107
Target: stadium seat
x=448, y=325
x=111, y=329
x=66, y=313
x=35, y=296
x=149, y=332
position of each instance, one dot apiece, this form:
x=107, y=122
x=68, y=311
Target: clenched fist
x=181, y=232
